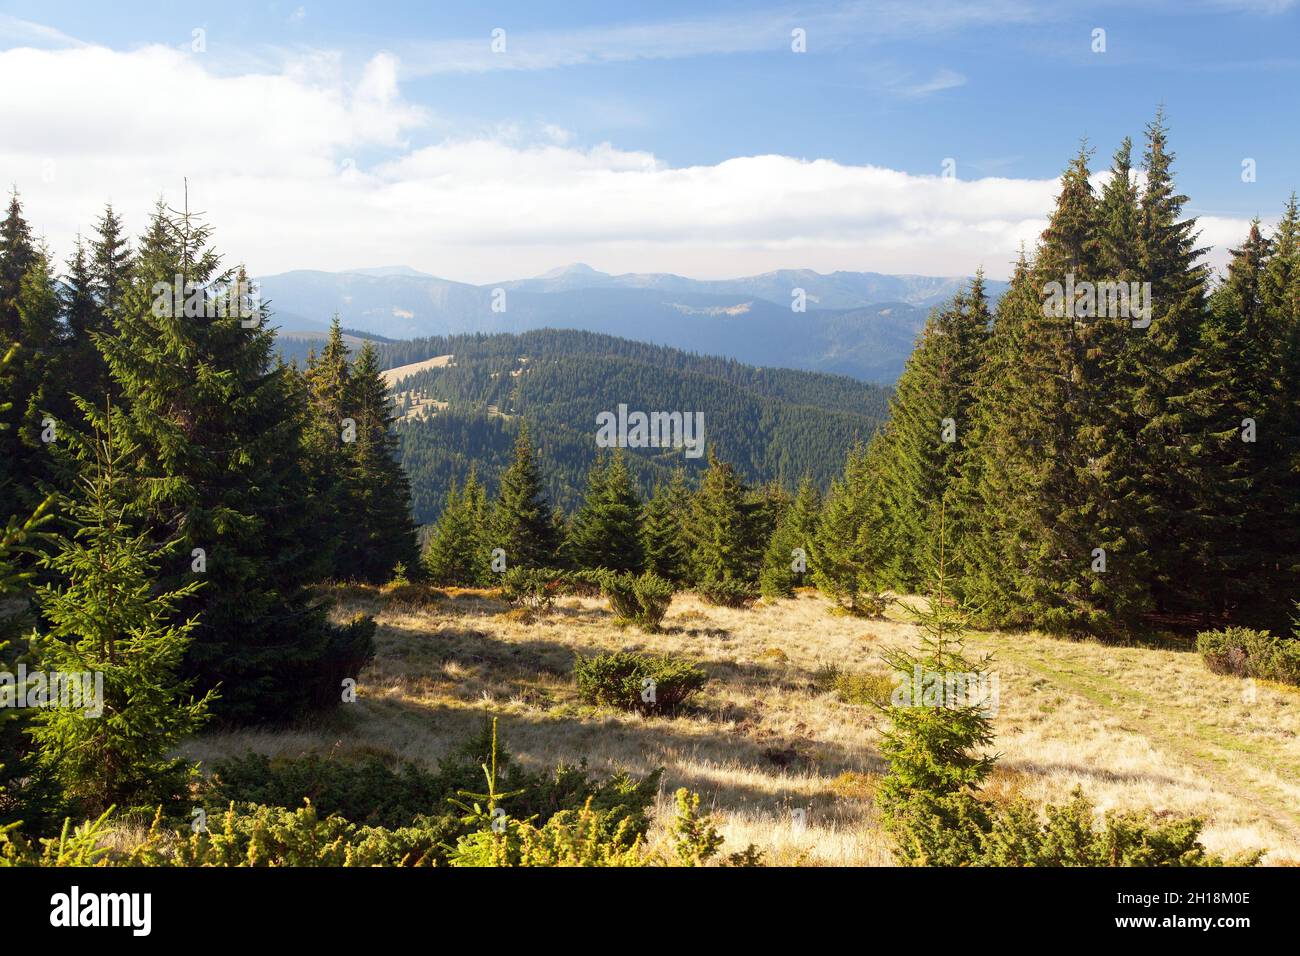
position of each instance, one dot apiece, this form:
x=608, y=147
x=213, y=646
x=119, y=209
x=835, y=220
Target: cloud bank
x=305, y=167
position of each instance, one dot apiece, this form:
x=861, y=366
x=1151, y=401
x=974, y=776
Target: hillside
x=1137, y=728
x=857, y=324
x=296, y=346
x=774, y=424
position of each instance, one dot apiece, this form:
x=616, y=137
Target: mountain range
x=860, y=324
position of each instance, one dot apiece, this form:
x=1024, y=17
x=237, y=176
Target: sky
x=490, y=141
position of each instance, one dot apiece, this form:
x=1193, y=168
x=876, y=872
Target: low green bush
x=532, y=588
x=864, y=689
x=567, y=818
x=642, y=599
x=1248, y=653
x=1069, y=836
x=727, y=593
x=636, y=682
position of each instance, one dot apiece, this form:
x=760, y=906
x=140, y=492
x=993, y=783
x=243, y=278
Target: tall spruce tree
x=1047, y=544
x=28, y=333
x=1172, y=390
x=663, y=529
x=26, y=795
x=1245, y=462
x=725, y=547
x=17, y=255
x=988, y=546
x=379, y=494
x=521, y=523
x=216, y=464
x=926, y=438
x=785, y=561
x=606, y=531
x=110, y=260
x=1281, y=294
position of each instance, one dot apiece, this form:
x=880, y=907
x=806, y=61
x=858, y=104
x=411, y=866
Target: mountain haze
x=856, y=323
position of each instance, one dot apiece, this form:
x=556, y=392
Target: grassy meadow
x=785, y=722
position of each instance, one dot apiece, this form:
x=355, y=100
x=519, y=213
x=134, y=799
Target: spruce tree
x=606, y=531
x=785, y=561
x=17, y=255
x=379, y=494
x=25, y=794
x=926, y=437
x=663, y=529
x=110, y=261
x=521, y=523
x=848, y=550
x=988, y=546
x=107, y=618
x=1047, y=544
x=724, y=547
x=454, y=554
x=1172, y=392
x=29, y=331
x=1244, y=465
x=217, y=464
x=936, y=744
x=39, y=383
x=1281, y=294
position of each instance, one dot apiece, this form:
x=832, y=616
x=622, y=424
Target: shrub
x=1070, y=837
x=584, y=837
x=727, y=593
x=533, y=588
x=695, y=839
x=583, y=822
x=635, y=682
x=245, y=835
x=635, y=599
x=1247, y=653
x=862, y=689
x=852, y=785
x=367, y=791
x=351, y=649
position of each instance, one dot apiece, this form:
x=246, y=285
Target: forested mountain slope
x=774, y=424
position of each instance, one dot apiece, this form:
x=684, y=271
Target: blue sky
x=592, y=92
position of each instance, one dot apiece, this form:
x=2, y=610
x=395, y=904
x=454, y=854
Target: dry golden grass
x=1135, y=727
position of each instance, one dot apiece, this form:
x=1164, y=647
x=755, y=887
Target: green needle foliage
x=108, y=619
x=936, y=749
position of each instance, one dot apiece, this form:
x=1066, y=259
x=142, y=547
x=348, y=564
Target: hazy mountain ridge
x=857, y=323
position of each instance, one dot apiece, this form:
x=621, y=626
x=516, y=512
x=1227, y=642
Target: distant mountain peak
x=572, y=269
x=385, y=271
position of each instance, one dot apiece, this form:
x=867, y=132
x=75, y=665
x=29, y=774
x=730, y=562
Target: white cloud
x=303, y=169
